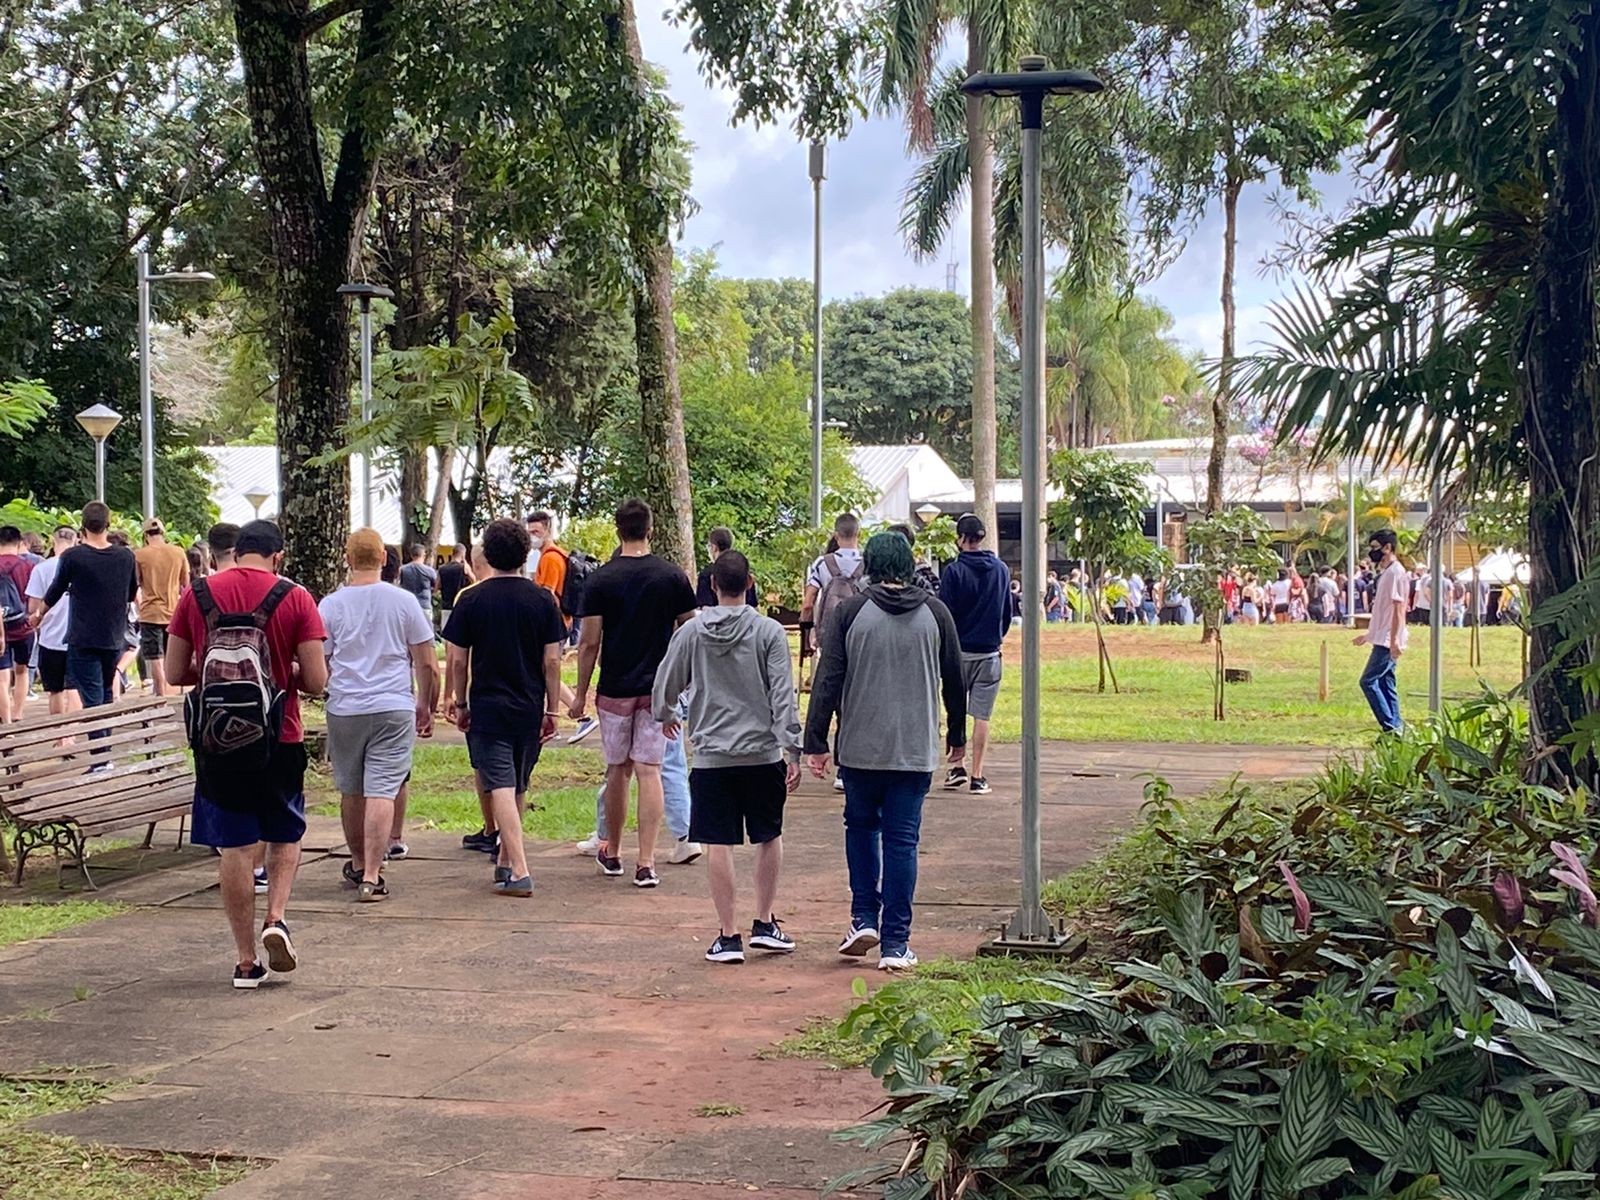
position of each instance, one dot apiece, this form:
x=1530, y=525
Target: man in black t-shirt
x=718, y=543
x=455, y=574
x=102, y=580
x=631, y=606
x=509, y=632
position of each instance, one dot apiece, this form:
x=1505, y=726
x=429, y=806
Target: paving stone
x=742, y=1154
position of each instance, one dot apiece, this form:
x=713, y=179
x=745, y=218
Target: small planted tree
x=1235, y=539
x=1100, y=519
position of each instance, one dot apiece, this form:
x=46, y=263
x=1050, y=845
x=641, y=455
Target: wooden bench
x=65, y=779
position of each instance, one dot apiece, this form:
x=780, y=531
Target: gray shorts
x=371, y=753
x=980, y=673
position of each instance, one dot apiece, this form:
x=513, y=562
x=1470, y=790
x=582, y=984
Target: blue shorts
x=276, y=813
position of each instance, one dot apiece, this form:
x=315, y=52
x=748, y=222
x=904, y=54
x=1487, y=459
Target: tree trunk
x=441, y=497
x=314, y=233
x=1222, y=398
x=656, y=344
x=1562, y=404
x=980, y=153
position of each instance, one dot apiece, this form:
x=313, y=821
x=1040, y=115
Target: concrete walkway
x=449, y=1043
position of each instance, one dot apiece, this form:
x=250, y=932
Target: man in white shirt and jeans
x=1386, y=632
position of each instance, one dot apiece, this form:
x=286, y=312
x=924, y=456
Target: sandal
x=371, y=893
x=351, y=875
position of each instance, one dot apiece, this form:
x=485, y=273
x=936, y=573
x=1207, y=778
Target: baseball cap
x=970, y=528
x=154, y=525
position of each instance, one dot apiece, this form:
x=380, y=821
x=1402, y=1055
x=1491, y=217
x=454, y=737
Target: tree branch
x=319, y=18
x=369, y=113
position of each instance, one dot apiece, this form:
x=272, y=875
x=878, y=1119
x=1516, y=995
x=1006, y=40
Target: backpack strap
x=831, y=562
x=269, y=603
x=206, y=602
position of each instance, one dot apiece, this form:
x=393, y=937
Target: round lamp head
x=183, y=277
x=927, y=512
x=99, y=420
x=257, y=496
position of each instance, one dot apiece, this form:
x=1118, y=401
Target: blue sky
x=755, y=210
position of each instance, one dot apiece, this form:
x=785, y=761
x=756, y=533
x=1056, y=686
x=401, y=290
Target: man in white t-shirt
x=1386, y=633
x=379, y=643
x=58, y=688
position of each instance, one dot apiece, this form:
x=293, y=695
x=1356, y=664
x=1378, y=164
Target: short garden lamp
x=98, y=421
x=928, y=513
x=258, y=496
x=1030, y=930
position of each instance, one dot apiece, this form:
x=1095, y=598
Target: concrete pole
x=1436, y=609
x=147, y=414
x=819, y=172
x=366, y=411
x=1351, y=565
x=100, y=469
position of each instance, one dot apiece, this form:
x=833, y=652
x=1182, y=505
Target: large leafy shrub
x=1391, y=989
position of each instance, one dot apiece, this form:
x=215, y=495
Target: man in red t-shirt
x=16, y=648
x=276, y=815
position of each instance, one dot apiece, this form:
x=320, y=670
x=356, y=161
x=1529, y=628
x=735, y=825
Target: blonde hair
x=363, y=550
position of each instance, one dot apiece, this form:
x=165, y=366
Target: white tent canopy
x=1498, y=569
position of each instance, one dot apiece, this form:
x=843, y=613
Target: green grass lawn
x=560, y=797
x=21, y=922
x=1166, y=679
x=34, y=1166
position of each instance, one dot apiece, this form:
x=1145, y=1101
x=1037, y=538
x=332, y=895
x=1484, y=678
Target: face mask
x=1376, y=556
x=536, y=540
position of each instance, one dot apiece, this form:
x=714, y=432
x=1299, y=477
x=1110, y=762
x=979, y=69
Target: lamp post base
x=1053, y=942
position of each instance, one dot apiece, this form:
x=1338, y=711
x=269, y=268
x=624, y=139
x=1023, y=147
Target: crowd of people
x=666, y=665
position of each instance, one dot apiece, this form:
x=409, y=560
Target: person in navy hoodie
x=976, y=588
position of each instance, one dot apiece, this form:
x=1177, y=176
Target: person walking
x=455, y=574
x=631, y=606
x=52, y=632
x=1386, y=632
x=506, y=636
x=718, y=542
x=163, y=574
x=378, y=644
x=254, y=618
x=16, y=630
x=734, y=664
x=888, y=657
x=421, y=580
x=833, y=578
x=976, y=588
x=551, y=567
x=102, y=580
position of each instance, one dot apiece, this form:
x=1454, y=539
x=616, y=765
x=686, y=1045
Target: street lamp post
x=98, y=421
x=366, y=293
x=147, y=409
x=819, y=172
x=1030, y=930
x=1436, y=609
x=1350, y=549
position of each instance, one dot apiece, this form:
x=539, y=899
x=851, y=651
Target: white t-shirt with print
x=848, y=560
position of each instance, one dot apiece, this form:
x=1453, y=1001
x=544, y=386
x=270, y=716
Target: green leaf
x=1566, y=1058
x=1320, y=1171
x=1244, y=1163
x=1156, y=1101
x=1310, y=1099
x=1492, y=1124
x=935, y=1157
x=1450, y=1158
x=1538, y=1121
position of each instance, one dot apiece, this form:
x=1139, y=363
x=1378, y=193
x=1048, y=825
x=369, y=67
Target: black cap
x=970, y=529
x=259, y=537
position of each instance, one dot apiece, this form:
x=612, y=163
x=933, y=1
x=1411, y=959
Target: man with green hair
x=887, y=658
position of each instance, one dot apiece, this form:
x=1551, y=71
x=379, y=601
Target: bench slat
x=74, y=758
x=171, y=804
x=53, y=793
x=27, y=744
x=145, y=707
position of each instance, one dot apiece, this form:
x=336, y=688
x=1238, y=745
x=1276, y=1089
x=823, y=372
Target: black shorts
x=18, y=651
x=152, y=641
x=503, y=760
x=53, y=670
x=729, y=802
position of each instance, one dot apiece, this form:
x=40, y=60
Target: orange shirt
x=552, y=570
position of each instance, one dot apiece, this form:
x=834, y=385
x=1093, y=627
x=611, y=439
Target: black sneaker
x=483, y=840
x=609, y=863
x=262, y=886
x=280, y=950
x=980, y=786
x=521, y=888
x=645, y=877
x=956, y=778
x=351, y=873
x=726, y=949
x=502, y=875
x=248, y=979
x=766, y=935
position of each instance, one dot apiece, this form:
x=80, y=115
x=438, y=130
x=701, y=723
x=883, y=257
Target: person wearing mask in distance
x=231, y=812
x=734, y=663
x=378, y=643
x=506, y=636
x=888, y=656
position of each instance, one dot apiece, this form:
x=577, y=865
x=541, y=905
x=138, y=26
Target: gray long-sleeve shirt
x=889, y=656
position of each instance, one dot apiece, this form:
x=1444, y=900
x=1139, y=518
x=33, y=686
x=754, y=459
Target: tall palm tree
x=907, y=80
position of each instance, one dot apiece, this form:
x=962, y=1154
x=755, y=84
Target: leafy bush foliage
x=1390, y=989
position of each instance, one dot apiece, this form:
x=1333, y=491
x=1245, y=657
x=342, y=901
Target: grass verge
x=36, y=1166
x=23, y=922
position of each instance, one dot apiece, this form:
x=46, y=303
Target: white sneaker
x=902, y=961
x=858, y=939
x=589, y=845
x=838, y=784
x=585, y=727
x=685, y=852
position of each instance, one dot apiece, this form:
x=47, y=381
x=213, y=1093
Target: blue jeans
x=674, y=791
x=1381, y=689
x=882, y=822
x=91, y=673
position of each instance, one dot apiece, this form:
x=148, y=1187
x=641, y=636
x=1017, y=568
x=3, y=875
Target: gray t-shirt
x=420, y=579
x=371, y=629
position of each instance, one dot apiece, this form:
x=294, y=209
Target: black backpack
x=235, y=713
x=579, y=567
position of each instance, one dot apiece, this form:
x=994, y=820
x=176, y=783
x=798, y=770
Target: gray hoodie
x=741, y=700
